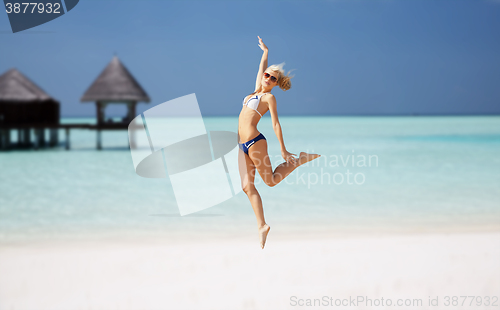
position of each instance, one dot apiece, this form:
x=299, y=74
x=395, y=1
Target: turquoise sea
x=422, y=173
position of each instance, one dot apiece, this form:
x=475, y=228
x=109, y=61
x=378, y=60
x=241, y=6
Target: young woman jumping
x=253, y=145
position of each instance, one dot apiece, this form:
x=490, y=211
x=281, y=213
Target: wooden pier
x=34, y=135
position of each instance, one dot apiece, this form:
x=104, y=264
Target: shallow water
x=427, y=172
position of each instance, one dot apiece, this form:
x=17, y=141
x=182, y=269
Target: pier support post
x=67, y=138
x=99, y=142
x=19, y=137
x=54, y=136
x=7, y=139
x=26, y=136
x=41, y=136
x=2, y=138
x=37, y=138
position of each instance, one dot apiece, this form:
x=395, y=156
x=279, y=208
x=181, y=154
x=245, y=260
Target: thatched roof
x=115, y=83
x=14, y=86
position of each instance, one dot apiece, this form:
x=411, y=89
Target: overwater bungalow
x=115, y=85
x=24, y=107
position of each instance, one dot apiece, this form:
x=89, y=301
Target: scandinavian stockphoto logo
x=26, y=14
x=171, y=139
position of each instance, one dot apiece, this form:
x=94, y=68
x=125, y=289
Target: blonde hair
x=283, y=79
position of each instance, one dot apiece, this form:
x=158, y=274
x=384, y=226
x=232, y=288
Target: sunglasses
x=273, y=78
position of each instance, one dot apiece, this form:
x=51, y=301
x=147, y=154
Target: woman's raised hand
x=262, y=45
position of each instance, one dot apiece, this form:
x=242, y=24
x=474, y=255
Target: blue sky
x=350, y=57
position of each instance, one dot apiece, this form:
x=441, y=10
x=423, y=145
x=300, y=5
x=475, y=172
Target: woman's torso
x=249, y=118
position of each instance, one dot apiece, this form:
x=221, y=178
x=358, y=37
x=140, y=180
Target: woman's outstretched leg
x=247, y=174
x=260, y=158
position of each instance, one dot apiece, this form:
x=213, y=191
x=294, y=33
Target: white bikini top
x=253, y=102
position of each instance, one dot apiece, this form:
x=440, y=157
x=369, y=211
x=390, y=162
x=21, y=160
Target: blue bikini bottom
x=245, y=146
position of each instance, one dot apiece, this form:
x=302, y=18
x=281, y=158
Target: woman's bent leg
x=260, y=158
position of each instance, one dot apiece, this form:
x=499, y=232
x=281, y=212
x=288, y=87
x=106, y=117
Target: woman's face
x=268, y=82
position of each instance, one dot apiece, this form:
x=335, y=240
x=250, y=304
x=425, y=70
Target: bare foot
x=305, y=157
x=263, y=231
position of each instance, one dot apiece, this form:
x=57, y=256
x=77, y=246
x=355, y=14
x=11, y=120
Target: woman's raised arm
x=273, y=110
x=263, y=63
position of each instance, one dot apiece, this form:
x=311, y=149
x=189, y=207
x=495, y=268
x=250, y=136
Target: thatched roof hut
x=115, y=84
x=22, y=101
x=14, y=86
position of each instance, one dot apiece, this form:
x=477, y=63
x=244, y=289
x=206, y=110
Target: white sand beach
x=236, y=274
